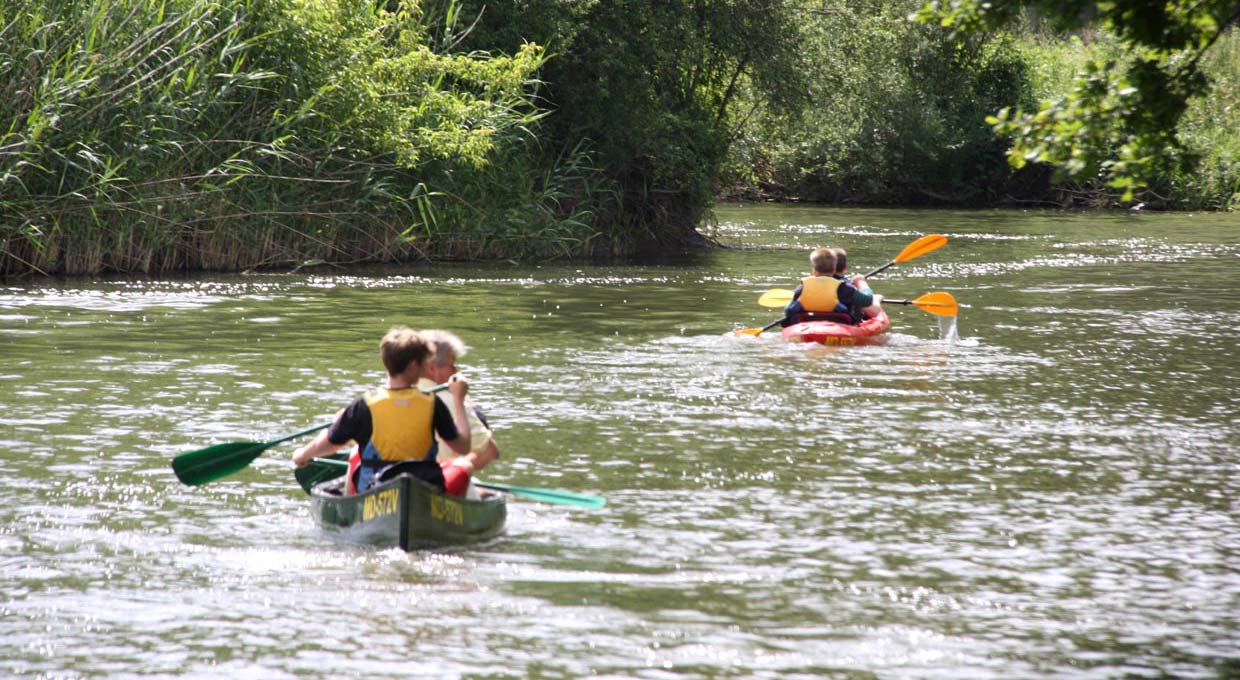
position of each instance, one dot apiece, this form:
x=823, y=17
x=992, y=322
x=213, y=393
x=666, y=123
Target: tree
x=647, y=86
x=1118, y=121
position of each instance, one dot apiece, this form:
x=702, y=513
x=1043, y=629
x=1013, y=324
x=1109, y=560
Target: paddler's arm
x=486, y=456
x=321, y=445
x=862, y=296
x=794, y=308
x=458, y=388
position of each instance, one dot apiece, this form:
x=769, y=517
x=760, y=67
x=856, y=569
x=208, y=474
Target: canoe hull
x=869, y=332
x=406, y=513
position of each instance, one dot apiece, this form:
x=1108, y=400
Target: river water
x=1051, y=492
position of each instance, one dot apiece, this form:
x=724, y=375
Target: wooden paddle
x=554, y=496
x=923, y=245
x=196, y=468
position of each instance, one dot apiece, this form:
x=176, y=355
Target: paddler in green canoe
x=819, y=294
x=458, y=470
x=395, y=425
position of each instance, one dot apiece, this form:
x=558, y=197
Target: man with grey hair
x=458, y=470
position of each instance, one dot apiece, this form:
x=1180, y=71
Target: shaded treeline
x=165, y=135
x=650, y=86
x=898, y=115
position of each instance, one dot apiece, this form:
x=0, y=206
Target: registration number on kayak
x=383, y=503
x=447, y=510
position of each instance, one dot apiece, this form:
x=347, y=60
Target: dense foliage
x=647, y=86
x=159, y=135
x=896, y=115
x=153, y=135
x=1120, y=118
x=910, y=113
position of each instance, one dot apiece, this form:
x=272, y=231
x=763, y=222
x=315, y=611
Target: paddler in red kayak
x=395, y=425
x=817, y=296
x=857, y=314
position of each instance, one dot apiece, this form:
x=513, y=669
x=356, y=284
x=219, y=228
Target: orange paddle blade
x=747, y=331
x=775, y=298
x=921, y=246
x=938, y=302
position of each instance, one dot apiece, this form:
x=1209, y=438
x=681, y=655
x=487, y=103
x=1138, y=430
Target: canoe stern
x=407, y=513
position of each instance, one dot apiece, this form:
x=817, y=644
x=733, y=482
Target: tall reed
x=159, y=135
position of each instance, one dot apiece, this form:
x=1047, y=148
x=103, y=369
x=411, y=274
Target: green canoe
x=404, y=512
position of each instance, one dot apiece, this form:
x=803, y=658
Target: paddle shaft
x=914, y=302
x=316, y=428
x=881, y=269
x=772, y=324
x=546, y=495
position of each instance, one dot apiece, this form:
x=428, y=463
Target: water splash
x=947, y=329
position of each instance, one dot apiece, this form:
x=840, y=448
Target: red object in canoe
x=868, y=332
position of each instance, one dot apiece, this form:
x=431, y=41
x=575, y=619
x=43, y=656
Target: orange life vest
x=819, y=293
x=402, y=428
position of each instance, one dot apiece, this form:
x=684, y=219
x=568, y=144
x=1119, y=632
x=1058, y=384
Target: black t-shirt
x=355, y=423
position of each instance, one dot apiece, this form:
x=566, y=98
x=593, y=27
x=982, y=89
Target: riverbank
x=252, y=135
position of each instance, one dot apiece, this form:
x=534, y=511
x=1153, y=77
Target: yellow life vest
x=819, y=293
x=403, y=423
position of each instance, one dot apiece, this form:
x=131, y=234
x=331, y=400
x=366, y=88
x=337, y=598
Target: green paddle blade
x=321, y=470
x=207, y=465
x=554, y=496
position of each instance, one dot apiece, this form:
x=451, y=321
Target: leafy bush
x=1202, y=172
x=1120, y=119
x=896, y=115
x=647, y=86
x=235, y=133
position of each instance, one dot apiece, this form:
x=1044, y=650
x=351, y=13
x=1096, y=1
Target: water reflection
x=1048, y=493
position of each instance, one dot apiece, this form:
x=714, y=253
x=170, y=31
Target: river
x=1049, y=492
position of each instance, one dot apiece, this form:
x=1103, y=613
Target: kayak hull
x=407, y=513
x=869, y=332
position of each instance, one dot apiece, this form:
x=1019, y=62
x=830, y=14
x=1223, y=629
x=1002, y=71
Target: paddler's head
x=403, y=350
x=841, y=261
x=822, y=260
x=448, y=348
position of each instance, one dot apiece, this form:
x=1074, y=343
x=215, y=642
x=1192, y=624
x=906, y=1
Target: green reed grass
x=163, y=135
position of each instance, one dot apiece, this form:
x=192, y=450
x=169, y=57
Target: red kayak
x=867, y=332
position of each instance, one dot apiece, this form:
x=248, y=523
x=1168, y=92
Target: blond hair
x=823, y=261
x=402, y=346
x=448, y=347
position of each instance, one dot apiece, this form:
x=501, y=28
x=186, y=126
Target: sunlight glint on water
x=1046, y=490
